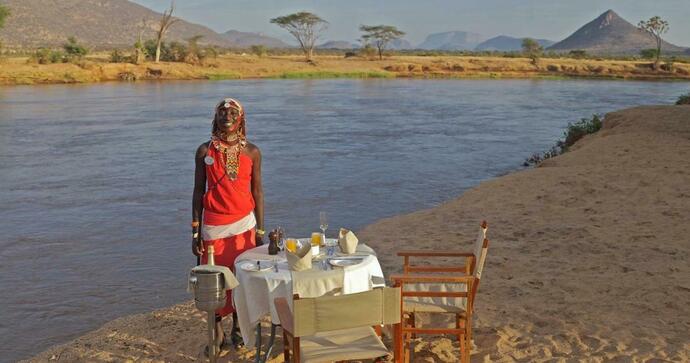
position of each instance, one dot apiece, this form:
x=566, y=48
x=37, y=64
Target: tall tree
x=380, y=35
x=656, y=27
x=305, y=27
x=163, y=26
x=532, y=49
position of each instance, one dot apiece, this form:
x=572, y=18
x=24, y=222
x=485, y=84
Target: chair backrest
x=478, y=244
x=377, y=306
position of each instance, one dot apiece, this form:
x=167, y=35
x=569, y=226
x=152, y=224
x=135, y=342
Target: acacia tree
x=194, y=54
x=305, y=27
x=380, y=35
x=163, y=26
x=532, y=49
x=655, y=27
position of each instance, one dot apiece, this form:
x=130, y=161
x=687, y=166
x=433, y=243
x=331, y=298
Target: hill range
x=103, y=24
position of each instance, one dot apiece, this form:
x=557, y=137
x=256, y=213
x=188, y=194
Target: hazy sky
x=549, y=19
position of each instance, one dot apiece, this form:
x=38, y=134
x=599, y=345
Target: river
x=96, y=180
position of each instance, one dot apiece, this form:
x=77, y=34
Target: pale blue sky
x=550, y=19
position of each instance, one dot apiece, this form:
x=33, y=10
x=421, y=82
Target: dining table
x=263, y=278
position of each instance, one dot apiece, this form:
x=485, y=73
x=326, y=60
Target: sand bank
x=588, y=259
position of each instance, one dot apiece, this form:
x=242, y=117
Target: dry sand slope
x=588, y=258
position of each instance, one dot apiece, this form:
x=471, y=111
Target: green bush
x=648, y=53
x=48, y=56
x=578, y=54
x=259, y=50
x=684, y=99
x=573, y=133
x=117, y=56
x=170, y=52
x=73, y=49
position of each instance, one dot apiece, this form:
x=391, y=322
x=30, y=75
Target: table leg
x=258, y=343
x=271, y=340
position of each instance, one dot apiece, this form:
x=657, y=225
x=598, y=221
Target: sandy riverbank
x=18, y=71
x=588, y=259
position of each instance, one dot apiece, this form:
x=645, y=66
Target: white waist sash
x=209, y=232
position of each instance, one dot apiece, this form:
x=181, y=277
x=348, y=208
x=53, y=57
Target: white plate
x=342, y=262
x=253, y=267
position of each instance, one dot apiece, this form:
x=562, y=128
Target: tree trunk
x=380, y=53
x=158, y=50
x=309, y=52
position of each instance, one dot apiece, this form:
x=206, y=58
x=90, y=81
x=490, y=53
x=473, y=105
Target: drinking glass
x=281, y=238
x=291, y=245
x=316, y=239
x=324, y=222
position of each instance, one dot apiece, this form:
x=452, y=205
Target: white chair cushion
x=346, y=344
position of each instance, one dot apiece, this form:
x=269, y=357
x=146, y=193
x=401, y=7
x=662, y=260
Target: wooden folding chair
x=339, y=328
x=448, y=289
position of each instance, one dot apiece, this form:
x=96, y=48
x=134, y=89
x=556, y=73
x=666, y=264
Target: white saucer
x=253, y=267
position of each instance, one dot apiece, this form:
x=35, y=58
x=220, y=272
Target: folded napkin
x=299, y=260
x=347, y=241
x=228, y=277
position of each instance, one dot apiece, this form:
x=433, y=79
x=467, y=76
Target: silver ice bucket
x=209, y=289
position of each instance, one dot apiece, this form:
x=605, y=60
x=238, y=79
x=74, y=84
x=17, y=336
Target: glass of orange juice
x=316, y=238
x=291, y=245
x=315, y=243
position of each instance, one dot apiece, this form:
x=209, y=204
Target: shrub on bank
x=684, y=99
x=73, y=49
x=117, y=56
x=573, y=133
x=259, y=50
x=47, y=56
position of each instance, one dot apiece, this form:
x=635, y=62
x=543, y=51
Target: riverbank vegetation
x=208, y=63
x=684, y=99
x=573, y=132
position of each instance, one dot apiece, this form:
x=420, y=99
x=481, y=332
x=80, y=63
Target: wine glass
x=324, y=222
x=281, y=238
x=330, y=248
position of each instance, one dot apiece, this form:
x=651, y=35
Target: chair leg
x=468, y=340
x=413, y=324
x=296, y=353
x=405, y=346
x=286, y=348
x=397, y=343
x=461, y=337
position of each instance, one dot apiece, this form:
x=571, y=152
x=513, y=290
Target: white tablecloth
x=253, y=298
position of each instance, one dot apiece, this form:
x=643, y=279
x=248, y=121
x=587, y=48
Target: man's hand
x=197, y=246
x=258, y=240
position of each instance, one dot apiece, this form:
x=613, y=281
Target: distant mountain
x=245, y=39
x=338, y=44
x=400, y=44
x=505, y=43
x=95, y=23
x=611, y=34
x=455, y=40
